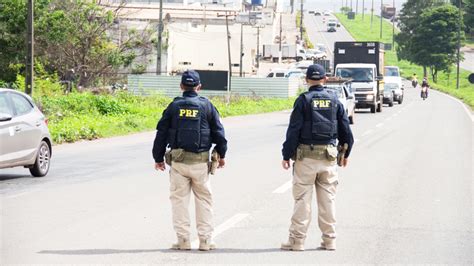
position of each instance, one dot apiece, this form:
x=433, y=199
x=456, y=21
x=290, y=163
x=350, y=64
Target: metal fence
x=241, y=86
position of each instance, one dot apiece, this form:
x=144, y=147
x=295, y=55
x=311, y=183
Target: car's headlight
x=369, y=97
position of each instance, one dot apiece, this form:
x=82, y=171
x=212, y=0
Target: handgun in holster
x=168, y=157
x=341, y=153
x=214, y=163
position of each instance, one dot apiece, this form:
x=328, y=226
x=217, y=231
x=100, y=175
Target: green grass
x=362, y=31
x=309, y=44
x=470, y=42
x=78, y=116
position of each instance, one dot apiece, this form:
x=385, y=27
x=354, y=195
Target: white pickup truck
x=393, y=82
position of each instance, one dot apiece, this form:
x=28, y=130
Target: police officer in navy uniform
x=318, y=123
x=189, y=126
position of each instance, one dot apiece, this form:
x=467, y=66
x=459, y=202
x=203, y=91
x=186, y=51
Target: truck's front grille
x=364, y=89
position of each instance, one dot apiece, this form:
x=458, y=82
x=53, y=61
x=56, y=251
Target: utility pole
x=160, y=40
x=459, y=45
x=372, y=15
x=279, y=49
x=258, y=47
x=30, y=43
x=381, y=19
x=393, y=26
x=229, y=73
x=241, y=48
x=357, y=6
x=363, y=9
x=301, y=21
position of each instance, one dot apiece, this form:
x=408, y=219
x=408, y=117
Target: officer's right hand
x=160, y=166
x=285, y=164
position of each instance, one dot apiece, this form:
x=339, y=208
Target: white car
x=316, y=54
x=393, y=82
x=277, y=73
x=24, y=136
x=346, y=96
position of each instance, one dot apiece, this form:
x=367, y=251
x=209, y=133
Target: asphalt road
x=406, y=197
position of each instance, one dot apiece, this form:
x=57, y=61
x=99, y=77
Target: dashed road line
x=379, y=125
x=231, y=222
x=283, y=188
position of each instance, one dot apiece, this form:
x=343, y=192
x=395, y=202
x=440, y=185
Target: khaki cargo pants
x=185, y=178
x=322, y=174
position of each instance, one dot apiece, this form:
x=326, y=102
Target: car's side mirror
x=379, y=78
x=350, y=97
x=338, y=25
x=5, y=117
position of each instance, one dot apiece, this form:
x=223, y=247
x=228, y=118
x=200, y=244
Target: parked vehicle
x=315, y=54
x=393, y=82
x=287, y=52
x=277, y=73
x=24, y=136
x=317, y=13
x=364, y=63
x=345, y=94
x=388, y=96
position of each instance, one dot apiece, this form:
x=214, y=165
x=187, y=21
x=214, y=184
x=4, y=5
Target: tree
x=409, y=25
x=74, y=38
x=13, y=15
x=434, y=43
x=81, y=37
x=468, y=13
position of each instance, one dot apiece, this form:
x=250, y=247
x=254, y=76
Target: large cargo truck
x=363, y=62
x=388, y=11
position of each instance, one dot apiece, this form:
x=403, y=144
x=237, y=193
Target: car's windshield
x=356, y=74
x=337, y=88
x=391, y=72
x=331, y=24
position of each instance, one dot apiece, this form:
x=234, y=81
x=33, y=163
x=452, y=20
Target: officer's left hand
x=221, y=163
x=285, y=164
x=160, y=166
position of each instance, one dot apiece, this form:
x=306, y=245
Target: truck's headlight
x=369, y=97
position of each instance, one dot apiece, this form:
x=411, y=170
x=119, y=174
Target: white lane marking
x=283, y=188
x=469, y=113
x=379, y=125
x=395, y=115
x=367, y=132
x=389, y=118
x=224, y=226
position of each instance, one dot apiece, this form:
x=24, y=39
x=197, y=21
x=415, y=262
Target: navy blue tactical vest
x=320, y=119
x=190, y=125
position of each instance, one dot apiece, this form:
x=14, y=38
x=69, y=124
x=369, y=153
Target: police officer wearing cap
x=189, y=126
x=318, y=123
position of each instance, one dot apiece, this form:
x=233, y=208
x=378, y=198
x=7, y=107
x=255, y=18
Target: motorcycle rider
x=425, y=86
x=414, y=80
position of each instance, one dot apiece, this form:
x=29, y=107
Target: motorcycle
x=424, y=93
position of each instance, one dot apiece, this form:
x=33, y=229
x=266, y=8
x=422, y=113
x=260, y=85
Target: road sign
x=471, y=78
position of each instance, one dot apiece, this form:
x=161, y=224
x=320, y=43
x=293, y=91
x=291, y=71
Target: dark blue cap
x=190, y=78
x=315, y=72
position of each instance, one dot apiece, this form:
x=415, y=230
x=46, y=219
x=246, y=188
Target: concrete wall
x=262, y=87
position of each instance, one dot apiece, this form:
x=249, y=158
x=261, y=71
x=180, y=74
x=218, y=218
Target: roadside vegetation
x=361, y=30
x=307, y=41
x=87, y=115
